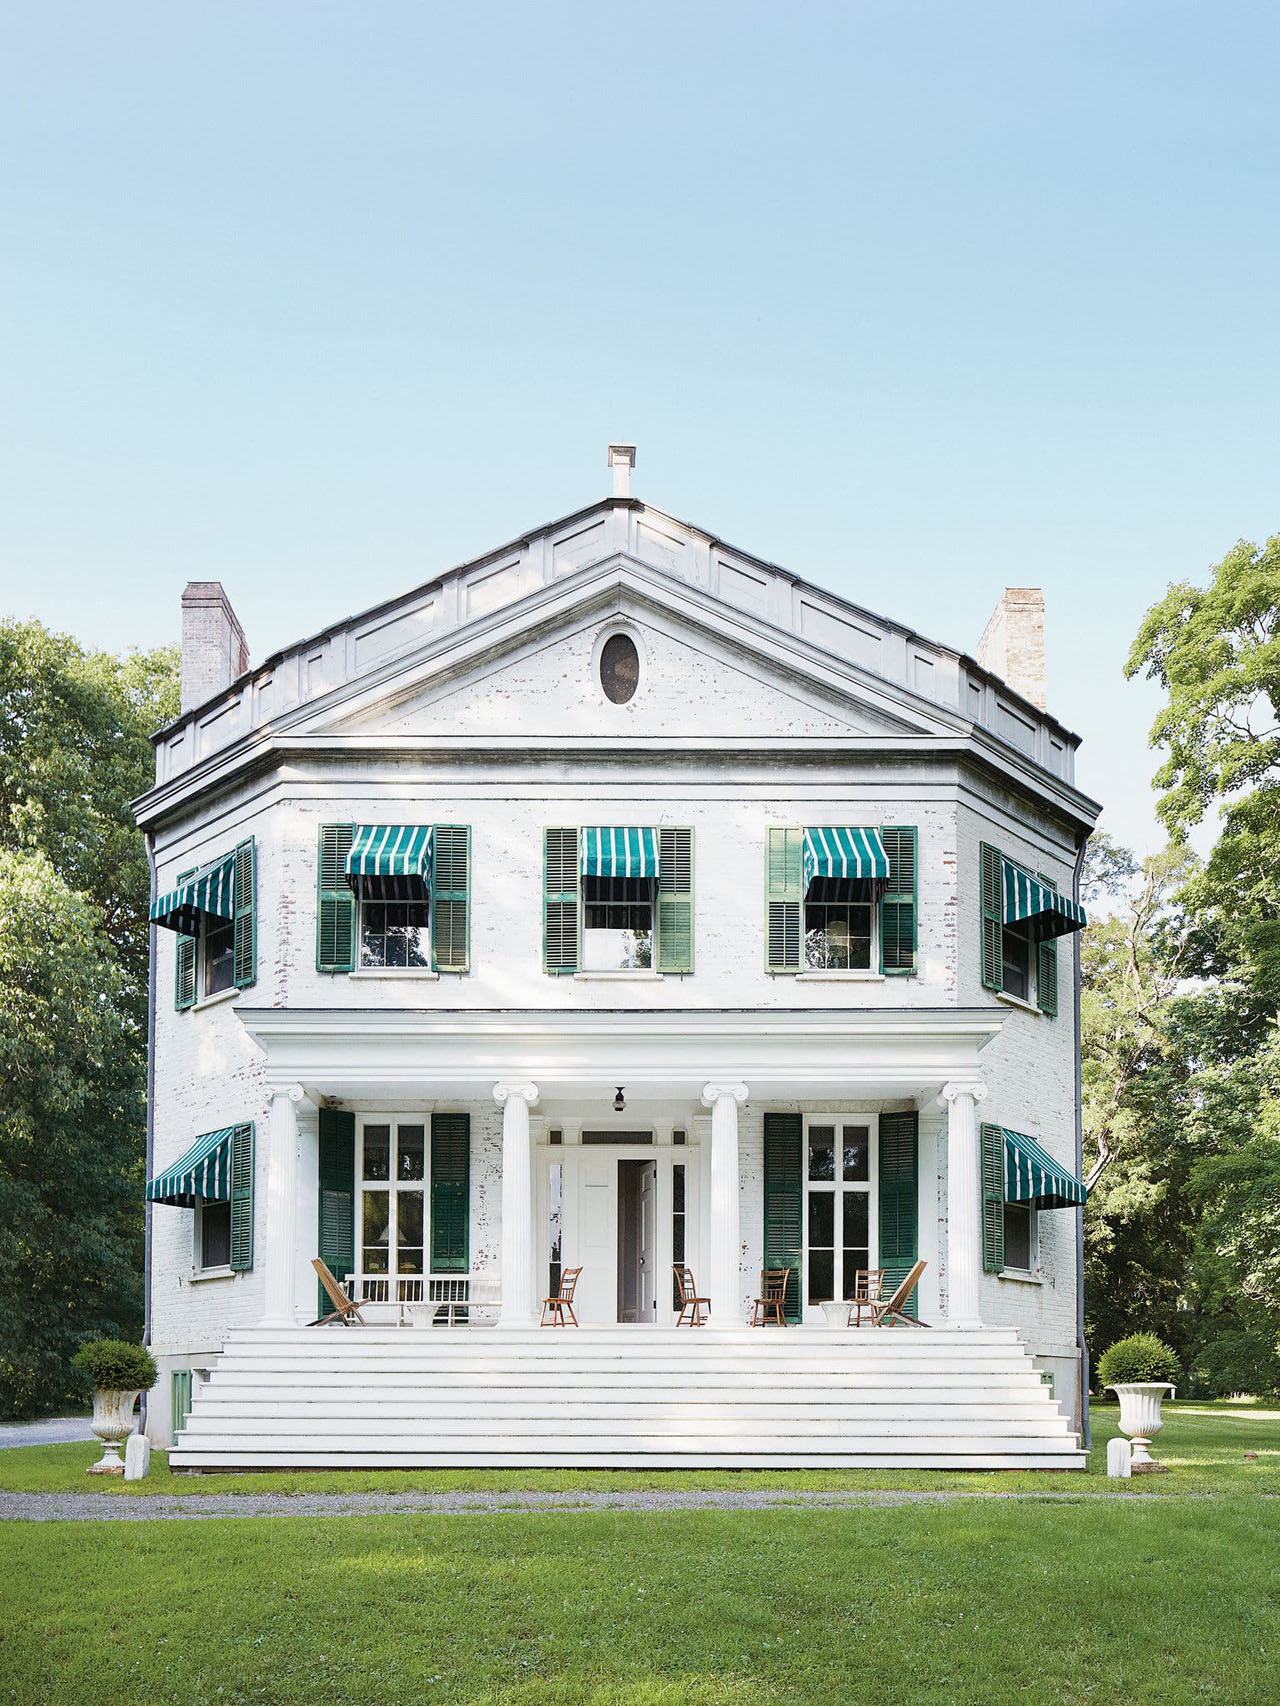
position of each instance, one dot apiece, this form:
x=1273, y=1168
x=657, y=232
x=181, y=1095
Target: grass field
x=1203, y=1444
x=1165, y=1593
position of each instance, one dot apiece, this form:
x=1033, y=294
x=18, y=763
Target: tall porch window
x=838, y=1213
x=392, y=1163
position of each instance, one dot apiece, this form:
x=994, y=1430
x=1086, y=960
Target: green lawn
x=1204, y=1445
x=1146, y=1603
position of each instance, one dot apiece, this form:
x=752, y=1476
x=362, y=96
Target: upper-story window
x=841, y=899
x=617, y=898
x=1022, y=919
x=213, y=912
x=394, y=897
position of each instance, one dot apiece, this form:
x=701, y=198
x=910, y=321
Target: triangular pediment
x=533, y=672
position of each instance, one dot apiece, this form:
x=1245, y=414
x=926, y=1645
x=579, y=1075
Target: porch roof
x=352, y=1052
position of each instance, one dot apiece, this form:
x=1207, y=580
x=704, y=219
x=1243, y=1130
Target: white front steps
x=624, y=1397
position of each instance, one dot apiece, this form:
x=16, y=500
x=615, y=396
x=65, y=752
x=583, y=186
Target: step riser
x=938, y=1458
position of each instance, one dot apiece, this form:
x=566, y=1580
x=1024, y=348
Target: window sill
x=207, y=1001
x=840, y=977
x=1019, y=1004
x=413, y=974
x=1020, y=1276
x=199, y=1275
x=617, y=976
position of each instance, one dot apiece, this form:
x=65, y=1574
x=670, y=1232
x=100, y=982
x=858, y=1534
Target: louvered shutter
x=1047, y=967
x=184, y=963
x=784, y=900
x=246, y=904
x=784, y=1201
x=335, y=903
x=336, y=1234
x=992, y=898
x=560, y=894
x=242, y=1197
x=450, y=1193
x=898, y=903
x=899, y=1198
x=451, y=897
x=675, y=900
x=992, y=1149
x=180, y=1390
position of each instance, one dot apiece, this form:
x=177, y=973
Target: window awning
x=1033, y=1176
x=210, y=892
x=619, y=853
x=203, y=1174
x=1046, y=911
x=844, y=853
x=391, y=861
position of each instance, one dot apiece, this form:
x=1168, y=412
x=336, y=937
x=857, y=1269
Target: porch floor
x=624, y=1397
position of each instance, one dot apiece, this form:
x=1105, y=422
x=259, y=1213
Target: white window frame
x=393, y=971
x=615, y=970
x=1033, y=1243
x=871, y=1188
x=393, y=1186
x=873, y=957
x=203, y=995
x=216, y=1270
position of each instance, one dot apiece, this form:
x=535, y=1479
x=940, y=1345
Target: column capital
x=503, y=1092
x=294, y=1092
x=711, y=1093
x=950, y=1092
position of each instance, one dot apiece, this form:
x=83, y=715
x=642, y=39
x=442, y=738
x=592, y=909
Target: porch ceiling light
x=619, y=1102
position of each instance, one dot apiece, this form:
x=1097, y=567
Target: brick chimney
x=1012, y=645
x=214, y=652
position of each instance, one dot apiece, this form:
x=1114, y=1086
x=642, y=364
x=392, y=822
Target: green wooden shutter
x=992, y=1148
x=898, y=904
x=784, y=1201
x=246, y=903
x=992, y=888
x=242, y=1198
x=560, y=892
x=784, y=898
x=335, y=903
x=184, y=964
x=450, y=897
x=675, y=900
x=337, y=1181
x=180, y=1405
x=899, y=1198
x=450, y=1193
x=1047, y=968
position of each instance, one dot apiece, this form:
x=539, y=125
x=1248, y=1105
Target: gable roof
x=617, y=539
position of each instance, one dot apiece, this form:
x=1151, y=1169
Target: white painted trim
x=1019, y=1004
x=638, y=975
x=840, y=977
x=409, y=974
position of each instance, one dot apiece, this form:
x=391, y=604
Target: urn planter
x=1140, y=1417
x=113, y=1423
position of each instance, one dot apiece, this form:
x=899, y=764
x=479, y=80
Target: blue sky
x=915, y=299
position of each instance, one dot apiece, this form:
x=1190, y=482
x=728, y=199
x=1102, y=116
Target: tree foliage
x=74, y=889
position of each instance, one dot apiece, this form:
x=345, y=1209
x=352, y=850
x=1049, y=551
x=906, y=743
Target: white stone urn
x=112, y=1423
x=1140, y=1416
x=837, y=1314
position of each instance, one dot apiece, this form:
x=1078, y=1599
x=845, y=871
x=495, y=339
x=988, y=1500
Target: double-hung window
x=841, y=899
x=838, y=1209
x=617, y=899
x=392, y=1197
x=1022, y=919
x=393, y=897
x=213, y=913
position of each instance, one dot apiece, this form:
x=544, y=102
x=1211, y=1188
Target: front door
x=637, y=1239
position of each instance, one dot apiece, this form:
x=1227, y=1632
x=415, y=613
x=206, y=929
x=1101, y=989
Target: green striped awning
x=392, y=858
x=203, y=1174
x=844, y=853
x=1048, y=912
x=619, y=852
x=210, y=892
x=1031, y=1175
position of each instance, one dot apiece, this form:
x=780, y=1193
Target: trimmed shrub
x=1140, y=1357
x=112, y=1365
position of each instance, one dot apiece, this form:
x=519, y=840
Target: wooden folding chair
x=690, y=1302
x=345, y=1309
x=772, y=1300
x=562, y=1301
x=894, y=1308
x=868, y=1290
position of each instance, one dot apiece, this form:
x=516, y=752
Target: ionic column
x=964, y=1203
x=515, y=1100
x=281, y=1226
x=726, y=1244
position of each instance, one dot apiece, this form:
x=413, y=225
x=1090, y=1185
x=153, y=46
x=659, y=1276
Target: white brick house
x=521, y=1046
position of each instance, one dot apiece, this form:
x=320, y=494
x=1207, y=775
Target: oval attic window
x=619, y=668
